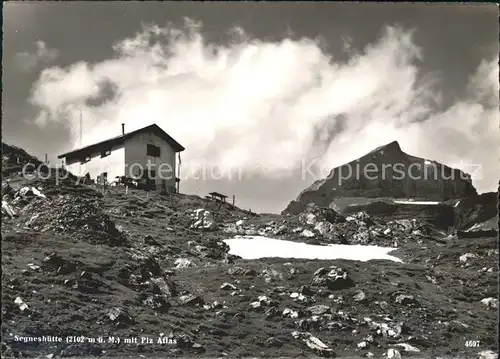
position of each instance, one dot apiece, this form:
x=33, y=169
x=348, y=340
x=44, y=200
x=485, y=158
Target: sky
x=257, y=93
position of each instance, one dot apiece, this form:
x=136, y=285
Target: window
x=105, y=153
x=153, y=150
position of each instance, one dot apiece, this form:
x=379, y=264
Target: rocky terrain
x=87, y=273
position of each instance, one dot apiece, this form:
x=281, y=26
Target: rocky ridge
x=386, y=172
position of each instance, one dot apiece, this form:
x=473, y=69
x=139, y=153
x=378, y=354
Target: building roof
x=118, y=140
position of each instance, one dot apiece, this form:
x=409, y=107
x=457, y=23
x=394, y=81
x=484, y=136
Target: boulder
x=25, y=192
x=407, y=347
x=359, y=296
x=333, y=278
x=393, y=354
x=228, y=286
x=183, y=263
x=307, y=233
x=119, y=316
x=165, y=286
x=156, y=302
x=490, y=302
x=487, y=354
x=324, y=228
x=314, y=343
x=405, y=299
x=318, y=309
x=465, y=257
x=190, y=299
x=203, y=219
x=22, y=305
x=239, y=271
x=7, y=209
x=290, y=313
x=307, y=218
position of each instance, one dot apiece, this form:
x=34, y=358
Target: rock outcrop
x=387, y=172
x=440, y=215
x=475, y=210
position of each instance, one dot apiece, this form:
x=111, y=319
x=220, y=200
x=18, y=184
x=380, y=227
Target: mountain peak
x=391, y=147
x=387, y=172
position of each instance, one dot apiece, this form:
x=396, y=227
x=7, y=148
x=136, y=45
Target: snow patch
x=430, y=203
x=255, y=247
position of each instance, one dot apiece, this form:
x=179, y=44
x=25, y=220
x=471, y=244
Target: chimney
x=123, y=129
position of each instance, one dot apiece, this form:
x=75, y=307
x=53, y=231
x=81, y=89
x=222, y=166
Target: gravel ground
x=79, y=264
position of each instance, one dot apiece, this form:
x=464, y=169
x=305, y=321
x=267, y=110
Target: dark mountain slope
x=389, y=172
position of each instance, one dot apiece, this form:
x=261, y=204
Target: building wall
x=112, y=164
x=136, y=157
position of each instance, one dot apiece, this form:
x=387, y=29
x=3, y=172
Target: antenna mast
x=81, y=137
x=81, y=127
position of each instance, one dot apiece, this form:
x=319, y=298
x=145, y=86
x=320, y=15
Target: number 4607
x=472, y=343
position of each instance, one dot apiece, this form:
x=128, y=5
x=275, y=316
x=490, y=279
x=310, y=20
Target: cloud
x=41, y=55
x=251, y=104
